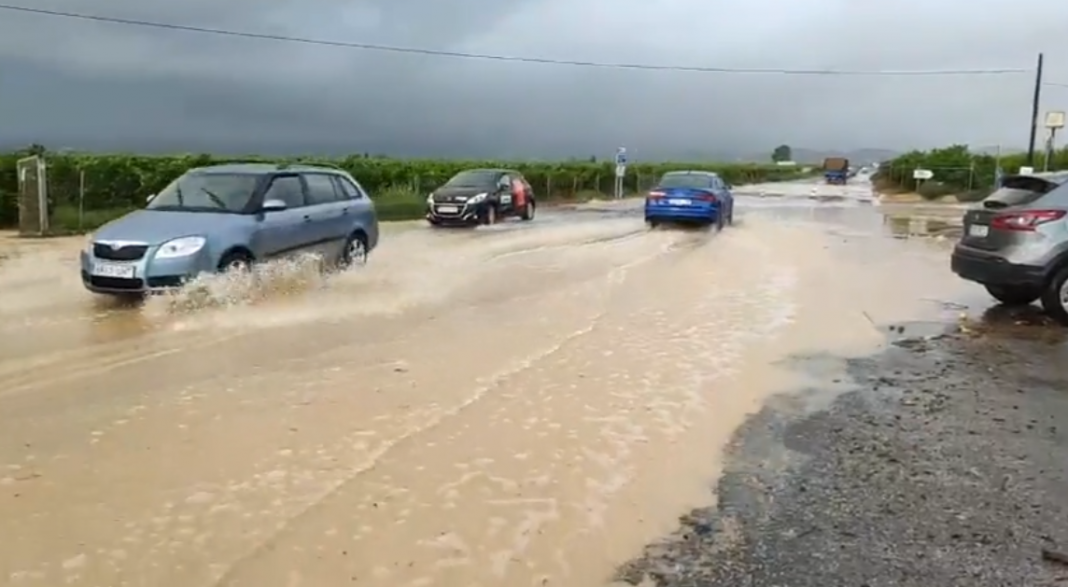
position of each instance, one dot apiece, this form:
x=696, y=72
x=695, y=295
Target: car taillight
x=708, y=198
x=1025, y=221
x=656, y=194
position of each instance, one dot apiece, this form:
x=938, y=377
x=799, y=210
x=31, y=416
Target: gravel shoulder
x=946, y=464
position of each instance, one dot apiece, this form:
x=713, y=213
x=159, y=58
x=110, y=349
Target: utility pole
x=1035, y=105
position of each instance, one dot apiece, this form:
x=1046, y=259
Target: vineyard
x=89, y=189
x=957, y=171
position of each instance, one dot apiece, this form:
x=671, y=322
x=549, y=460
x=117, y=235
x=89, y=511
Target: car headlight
x=181, y=247
x=430, y=199
x=89, y=239
x=478, y=198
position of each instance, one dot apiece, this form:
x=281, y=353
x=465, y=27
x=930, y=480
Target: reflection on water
x=907, y=226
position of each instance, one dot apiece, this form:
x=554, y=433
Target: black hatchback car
x=481, y=196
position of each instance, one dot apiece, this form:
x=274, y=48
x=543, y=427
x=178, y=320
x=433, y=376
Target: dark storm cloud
x=83, y=83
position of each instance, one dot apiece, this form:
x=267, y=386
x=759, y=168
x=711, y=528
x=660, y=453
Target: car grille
x=459, y=210
x=117, y=283
x=124, y=253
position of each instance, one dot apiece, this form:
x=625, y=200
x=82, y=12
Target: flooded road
x=526, y=404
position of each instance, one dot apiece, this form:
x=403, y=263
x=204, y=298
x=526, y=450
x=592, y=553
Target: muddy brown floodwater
x=523, y=405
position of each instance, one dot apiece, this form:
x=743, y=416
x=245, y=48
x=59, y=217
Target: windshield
x=207, y=192
x=685, y=180
x=475, y=178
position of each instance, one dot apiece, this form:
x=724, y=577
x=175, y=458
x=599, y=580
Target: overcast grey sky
x=83, y=83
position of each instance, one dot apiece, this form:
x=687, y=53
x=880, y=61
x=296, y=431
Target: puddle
x=908, y=226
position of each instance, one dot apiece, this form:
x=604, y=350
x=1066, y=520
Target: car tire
x=355, y=252
x=235, y=261
x=719, y=222
x=528, y=211
x=1014, y=295
x=489, y=217
x=1054, y=300
x=652, y=223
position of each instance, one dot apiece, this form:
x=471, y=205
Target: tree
x=782, y=153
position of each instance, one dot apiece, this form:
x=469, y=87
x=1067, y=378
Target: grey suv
x=1015, y=243
x=230, y=216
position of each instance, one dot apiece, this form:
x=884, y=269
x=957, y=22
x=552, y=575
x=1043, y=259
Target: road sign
x=923, y=174
x=1055, y=120
x=621, y=170
x=621, y=156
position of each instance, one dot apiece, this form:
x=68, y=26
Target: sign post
x=621, y=171
x=1054, y=122
x=921, y=175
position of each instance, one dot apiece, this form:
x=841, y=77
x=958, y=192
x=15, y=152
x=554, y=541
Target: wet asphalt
x=939, y=461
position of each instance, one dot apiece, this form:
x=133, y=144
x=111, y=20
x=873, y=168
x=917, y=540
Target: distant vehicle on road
x=836, y=170
x=228, y=217
x=1016, y=243
x=481, y=196
x=696, y=197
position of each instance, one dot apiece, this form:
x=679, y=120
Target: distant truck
x=836, y=170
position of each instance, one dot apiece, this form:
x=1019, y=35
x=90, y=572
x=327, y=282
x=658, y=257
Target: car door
x=281, y=232
x=359, y=210
x=520, y=192
x=724, y=194
x=505, y=194
x=327, y=209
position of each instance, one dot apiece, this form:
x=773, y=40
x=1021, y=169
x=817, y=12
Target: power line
x=511, y=58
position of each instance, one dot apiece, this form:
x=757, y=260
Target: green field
x=957, y=171
x=90, y=189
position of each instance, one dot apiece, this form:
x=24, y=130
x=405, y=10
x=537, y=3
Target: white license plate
x=678, y=202
x=978, y=230
x=113, y=270
x=448, y=209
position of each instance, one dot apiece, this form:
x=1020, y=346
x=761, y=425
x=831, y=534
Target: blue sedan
x=692, y=197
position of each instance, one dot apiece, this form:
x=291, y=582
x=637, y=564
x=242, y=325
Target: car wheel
x=528, y=211
x=355, y=252
x=719, y=222
x=1055, y=297
x=1014, y=295
x=652, y=223
x=489, y=217
x=235, y=261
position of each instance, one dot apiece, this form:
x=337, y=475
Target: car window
x=321, y=189
x=207, y=192
x=505, y=180
x=288, y=189
x=348, y=189
x=686, y=180
x=1018, y=190
x=474, y=178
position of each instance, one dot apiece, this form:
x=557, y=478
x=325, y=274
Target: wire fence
x=968, y=178
x=79, y=200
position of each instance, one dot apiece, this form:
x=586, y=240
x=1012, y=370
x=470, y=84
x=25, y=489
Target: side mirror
x=274, y=205
x=150, y=197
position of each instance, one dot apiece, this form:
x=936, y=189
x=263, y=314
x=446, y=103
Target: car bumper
x=989, y=269
x=682, y=213
x=142, y=276
x=455, y=214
